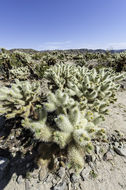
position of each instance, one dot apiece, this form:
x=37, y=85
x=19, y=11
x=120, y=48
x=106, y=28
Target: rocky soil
x=22, y=169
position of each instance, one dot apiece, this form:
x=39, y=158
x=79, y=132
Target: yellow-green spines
x=81, y=137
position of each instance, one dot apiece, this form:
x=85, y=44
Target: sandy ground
x=117, y=114
x=112, y=175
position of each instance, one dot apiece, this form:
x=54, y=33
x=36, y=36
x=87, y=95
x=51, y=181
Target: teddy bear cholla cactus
x=4, y=56
x=19, y=99
x=21, y=73
x=99, y=87
x=94, y=89
x=24, y=57
x=70, y=127
x=60, y=74
x=5, y=64
x=40, y=69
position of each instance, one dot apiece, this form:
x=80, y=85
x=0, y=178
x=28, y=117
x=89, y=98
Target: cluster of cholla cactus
x=68, y=127
x=16, y=60
x=70, y=114
x=115, y=60
x=39, y=69
x=118, y=61
x=19, y=99
x=5, y=64
x=21, y=73
x=60, y=74
x=24, y=57
x=94, y=89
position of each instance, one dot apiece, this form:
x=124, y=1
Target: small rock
x=13, y=154
x=74, y=178
x=35, y=174
x=45, y=186
x=19, y=179
x=54, y=181
x=91, y=164
x=88, y=158
x=27, y=185
x=108, y=156
x=42, y=173
x=27, y=165
x=82, y=185
x=85, y=173
x=123, y=85
x=13, y=149
x=116, y=144
x=4, y=163
x=61, y=172
x=97, y=149
x=14, y=176
x=12, y=137
x=49, y=178
x=60, y=186
x=120, y=151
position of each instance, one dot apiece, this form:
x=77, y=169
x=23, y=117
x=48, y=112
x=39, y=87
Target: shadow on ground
x=24, y=159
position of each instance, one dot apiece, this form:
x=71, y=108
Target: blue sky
x=63, y=24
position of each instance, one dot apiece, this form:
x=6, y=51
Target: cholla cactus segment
x=81, y=137
x=41, y=131
x=38, y=126
x=75, y=158
x=45, y=134
x=4, y=56
x=61, y=138
x=74, y=116
x=21, y=73
x=63, y=123
x=18, y=99
x=59, y=102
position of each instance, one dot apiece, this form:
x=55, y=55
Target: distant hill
x=31, y=51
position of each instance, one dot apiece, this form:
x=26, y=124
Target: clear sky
x=63, y=24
